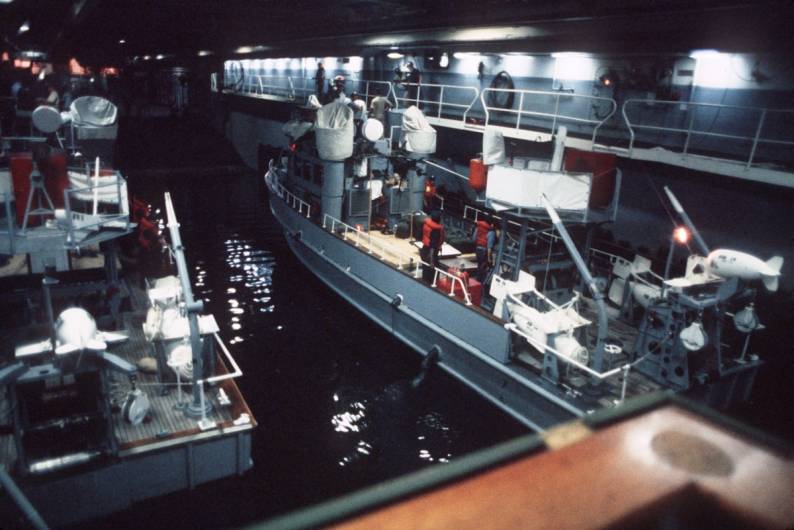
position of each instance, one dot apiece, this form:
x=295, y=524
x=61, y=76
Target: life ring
x=497, y=98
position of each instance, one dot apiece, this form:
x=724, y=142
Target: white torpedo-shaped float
x=734, y=264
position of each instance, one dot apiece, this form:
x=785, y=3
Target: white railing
x=688, y=112
x=119, y=199
x=287, y=196
x=368, y=90
x=448, y=99
x=581, y=108
x=373, y=246
x=360, y=238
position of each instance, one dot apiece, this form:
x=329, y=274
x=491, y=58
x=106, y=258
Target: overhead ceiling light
x=443, y=62
x=147, y=57
x=122, y=41
x=159, y=57
x=705, y=54
x=204, y=53
x=25, y=27
x=563, y=55
x=466, y=55
x=395, y=55
x=6, y=1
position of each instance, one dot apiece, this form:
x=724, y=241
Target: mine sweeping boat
x=556, y=332
x=94, y=417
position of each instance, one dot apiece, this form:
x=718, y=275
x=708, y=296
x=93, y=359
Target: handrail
x=372, y=245
x=541, y=347
x=756, y=139
x=556, y=115
x=123, y=213
x=222, y=377
x=294, y=201
x=440, y=102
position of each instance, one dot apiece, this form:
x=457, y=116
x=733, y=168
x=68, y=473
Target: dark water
x=329, y=389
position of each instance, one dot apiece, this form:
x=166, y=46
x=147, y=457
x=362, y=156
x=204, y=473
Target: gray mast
x=598, y=296
x=193, y=307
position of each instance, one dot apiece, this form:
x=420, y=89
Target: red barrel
x=21, y=165
x=478, y=174
x=56, y=176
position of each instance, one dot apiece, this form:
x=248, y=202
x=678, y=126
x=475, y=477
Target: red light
x=293, y=147
x=681, y=235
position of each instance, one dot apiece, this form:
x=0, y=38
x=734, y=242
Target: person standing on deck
x=319, y=81
x=432, y=240
x=413, y=79
x=484, y=239
x=379, y=106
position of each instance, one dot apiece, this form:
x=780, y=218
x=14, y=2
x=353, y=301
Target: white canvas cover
x=510, y=187
x=493, y=146
x=334, y=131
x=93, y=110
x=106, y=190
x=296, y=128
x=418, y=136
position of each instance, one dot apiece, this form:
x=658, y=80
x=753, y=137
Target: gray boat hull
x=473, y=347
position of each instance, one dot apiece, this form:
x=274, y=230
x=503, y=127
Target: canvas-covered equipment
x=94, y=118
x=510, y=187
x=334, y=130
x=493, y=146
x=417, y=134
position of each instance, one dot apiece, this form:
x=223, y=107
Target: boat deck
x=164, y=423
x=620, y=332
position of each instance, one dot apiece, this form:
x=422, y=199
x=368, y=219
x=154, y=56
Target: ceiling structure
x=112, y=32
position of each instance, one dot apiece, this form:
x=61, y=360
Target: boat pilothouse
x=557, y=329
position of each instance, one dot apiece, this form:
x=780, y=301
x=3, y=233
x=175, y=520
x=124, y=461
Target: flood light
x=681, y=235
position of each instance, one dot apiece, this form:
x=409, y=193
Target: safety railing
x=369, y=89
x=95, y=220
x=287, y=196
x=360, y=238
x=754, y=120
x=439, y=101
x=268, y=85
x=552, y=107
x=214, y=82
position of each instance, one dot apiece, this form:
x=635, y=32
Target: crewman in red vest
x=484, y=239
x=432, y=240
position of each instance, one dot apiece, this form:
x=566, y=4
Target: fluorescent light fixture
x=204, y=53
x=250, y=49
x=25, y=27
x=6, y=1
x=395, y=55
x=147, y=57
x=705, y=54
x=466, y=55
x=494, y=33
x=159, y=57
x=443, y=62
x=122, y=41
x=563, y=55
x=32, y=54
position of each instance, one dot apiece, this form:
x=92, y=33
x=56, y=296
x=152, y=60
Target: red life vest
x=147, y=233
x=481, y=236
x=427, y=230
